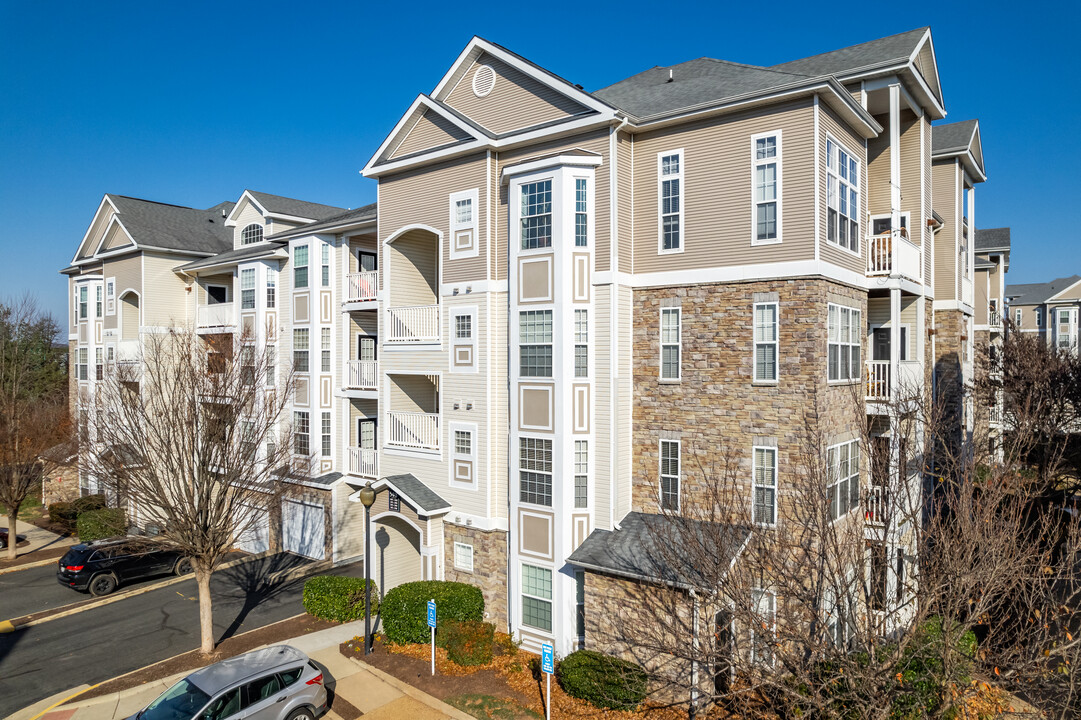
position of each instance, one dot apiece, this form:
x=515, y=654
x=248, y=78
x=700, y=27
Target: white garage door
x=255, y=535
x=396, y=545
x=303, y=530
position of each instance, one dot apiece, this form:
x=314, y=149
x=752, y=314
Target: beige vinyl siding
x=430, y=131
x=349, y=524
x=1070, y=293
x=981, y=280
x=128, y=272
x=97, y=229
x=1028, y=316
x=225, y=279
x=913, y=187
x=117, y=238
x=499, y=429
x=248, y=214
x=596, y=141
x=414, y=270
x=364, y=243
x=926, y=232
x=830, y=124
x=279, y=226
x=625, y=200
x=947, y=204
x=717, y=209
x=516, y=101
x=397, y=553
x=422, y=196
x=165, y=301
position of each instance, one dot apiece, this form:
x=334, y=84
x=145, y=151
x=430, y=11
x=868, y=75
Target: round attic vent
x=483, y=81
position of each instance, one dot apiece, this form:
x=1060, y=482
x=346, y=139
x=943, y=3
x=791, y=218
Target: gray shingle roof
x=874, y=52
x=297, y=208
x=357, y=215
x=952, y=136
x=1036, y=293
x=992, y=238
x=173, y=226
x=231, y=256
x=648, y=547
x=416, y=492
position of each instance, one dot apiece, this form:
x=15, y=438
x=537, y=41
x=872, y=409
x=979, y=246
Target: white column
x=895, y=158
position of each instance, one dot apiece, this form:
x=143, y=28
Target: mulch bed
x=32, y=557
x=279, y=631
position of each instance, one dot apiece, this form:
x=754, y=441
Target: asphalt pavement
x=102, y=642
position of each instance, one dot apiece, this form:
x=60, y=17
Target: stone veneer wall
x=949, y=374
x=489, y=567
x=717, y=406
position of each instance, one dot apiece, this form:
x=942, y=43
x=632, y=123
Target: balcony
x=994, y=414
x=363, y=462
x=413, y=430
x=878, y=380
x=362, y=286
x=994, y=319
x=874, y=511
x=128, y=351
x=218, y=315
x=417, y=324
x=892, y=254
x=362, y=375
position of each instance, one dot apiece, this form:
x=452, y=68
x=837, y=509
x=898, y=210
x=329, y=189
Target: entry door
x=366, y=347
x=880, y=344
x=366, y=261
x=366, y=434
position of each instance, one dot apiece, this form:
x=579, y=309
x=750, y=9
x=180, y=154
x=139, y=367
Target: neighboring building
x=992, y=248
x=1050, y=309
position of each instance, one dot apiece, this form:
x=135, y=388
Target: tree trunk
x=206, y=611
x=13, y=537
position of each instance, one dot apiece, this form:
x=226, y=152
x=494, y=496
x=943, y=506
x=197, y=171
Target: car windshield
x=180, y=702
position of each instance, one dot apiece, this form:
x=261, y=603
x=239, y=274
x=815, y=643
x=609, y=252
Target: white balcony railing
x=994, y=414
x=217, y=315
x=362, y=375
x=874, y=511
x=413, y=430
x=878, y=380
x=893, y=254
x=413, y=324
x=363, y=462
x=993, y=318
x=362, y=286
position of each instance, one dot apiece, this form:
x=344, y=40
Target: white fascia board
x=967, y=161
x=114, y=221
x=553, y=161
x=873, y=72
x=328, y=230
x=422, y=102
x=231, y=221
x=934, y=59
x=86, y=235
x=740, y=273
x=289, y=218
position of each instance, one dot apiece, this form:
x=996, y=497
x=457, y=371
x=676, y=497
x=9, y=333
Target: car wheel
x=301, y=714
x=102, y=584
x=183, y=567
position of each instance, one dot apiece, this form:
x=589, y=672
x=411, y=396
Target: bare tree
x=189, y=439
x=33, y=403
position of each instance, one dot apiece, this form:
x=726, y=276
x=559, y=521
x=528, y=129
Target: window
x=300, y=266
x=581, y=473
x=765, y=342
x=1066, y=328
x=839, y=627
x=99, y=366
x=325, y=250
x=670, y=343
x=324, y=345
x=535, y=471
x=535, y=343
x=463, y=211
x=581, y=213
x=300, y=349
x=581, y=343
x=842, y=197
x=463, y=557
x=844, y=343
x=764, y=510
x=537, y=597
x=900, y=575
x=271, y=288
x=301, y=434
x=110, y=296
x=247, y=289
x=463, y=327
x=670, y=179
x=463, y=443
x=903, y=350
x=843, y=465
x=463, y=224
x=326, y=435
x=878, y=567
x=580, y=605
x=83, y=294
x=98, y=305
x=251, y=234
x=271, y=364
x=1038, y=312
x=670, y=475
x=763, y=627
x=247, y=364
x=766, y=164
x=537, y=215
x=83, y=362
x=247, y=435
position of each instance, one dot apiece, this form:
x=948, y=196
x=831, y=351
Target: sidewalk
x=362, y=688
x=39, y=539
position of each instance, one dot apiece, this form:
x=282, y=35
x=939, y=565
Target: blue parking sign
x=548, y=663
x=431, y=613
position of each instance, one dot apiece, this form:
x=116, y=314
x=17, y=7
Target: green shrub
x=98, y=524
x=404, y=610
x=338, y=599
x=88, y=503
x=468, y=642
x=603, y=680
x=63, y=513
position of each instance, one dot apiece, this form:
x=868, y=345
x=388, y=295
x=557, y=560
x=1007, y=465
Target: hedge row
x=602, y=680
x=67, y=513
x=404, y=610
x=338, y=599
x=99, y=524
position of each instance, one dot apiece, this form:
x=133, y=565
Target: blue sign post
x=548, y=666
x=431, y=624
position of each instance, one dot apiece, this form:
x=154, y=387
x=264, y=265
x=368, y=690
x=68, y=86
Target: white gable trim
x=1069, y=287
x=115, y=221
x=927, y=40
x=407, y=121
x=86, y=235
x=231, y=220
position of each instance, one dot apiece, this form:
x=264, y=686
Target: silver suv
x=275, y=683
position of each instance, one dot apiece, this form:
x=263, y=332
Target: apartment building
x=1049, y=309
x=992, y=248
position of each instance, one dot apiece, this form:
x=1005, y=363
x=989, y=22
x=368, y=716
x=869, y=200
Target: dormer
x=258, y=215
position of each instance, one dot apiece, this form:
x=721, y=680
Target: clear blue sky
x=191, y=102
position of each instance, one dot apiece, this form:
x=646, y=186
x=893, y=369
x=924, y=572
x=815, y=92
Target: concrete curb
x=27, y=566
x=32, y=712
x=407, y=689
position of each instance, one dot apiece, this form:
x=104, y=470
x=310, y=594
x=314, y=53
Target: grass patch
x=31, y=509
x=489, y=707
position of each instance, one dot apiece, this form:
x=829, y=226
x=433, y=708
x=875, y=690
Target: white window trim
x=1037, y=313
x=551, y=473
x=755, y=485
x=228, y=293
x=755, y=162
x=1018, y=315
x=472, y=311
x=110, y=298
x=860, y=333
x=836, y=483
x=575, y=344
x=589, y=212
x=458, y=545
x=325, y=253
x=906, y=216
x=456, y=227
x=679, y=475
x=307, y=265
x=859, y=213
x=588, y=474
x=254, y=287
x=682, y=202
x=679, y=347
x=516, y=220
x=524, y=594
x=775, y=343
x=910, y=354
x=474, y=434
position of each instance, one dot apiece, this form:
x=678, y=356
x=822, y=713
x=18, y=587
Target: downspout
x=694, y=655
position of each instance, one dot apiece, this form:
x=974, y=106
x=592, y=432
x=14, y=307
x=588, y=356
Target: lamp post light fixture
x=367, y=499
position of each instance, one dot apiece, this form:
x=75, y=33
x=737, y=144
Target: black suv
x=102, y=566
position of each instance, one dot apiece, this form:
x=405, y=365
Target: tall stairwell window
x=765, y=342
x=842, y=197
x=671, y=319
x=766, y=161
x=670, y=200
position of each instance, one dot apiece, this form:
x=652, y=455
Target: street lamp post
x=367, y=499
